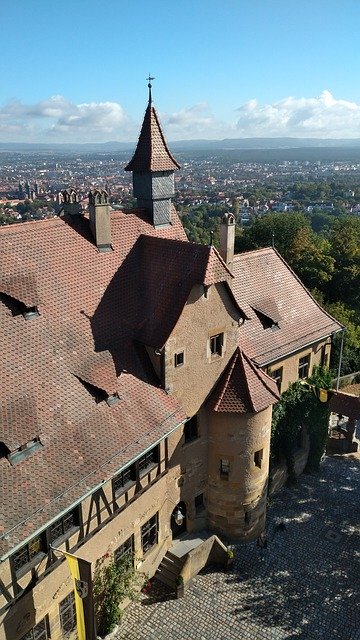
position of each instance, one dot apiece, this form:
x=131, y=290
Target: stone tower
x=239, y=448
x=153, y=169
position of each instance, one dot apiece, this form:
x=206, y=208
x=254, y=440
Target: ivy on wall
x=297, y=408
x=114, y=583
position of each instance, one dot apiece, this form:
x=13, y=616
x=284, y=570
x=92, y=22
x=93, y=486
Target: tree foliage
x=298, y=408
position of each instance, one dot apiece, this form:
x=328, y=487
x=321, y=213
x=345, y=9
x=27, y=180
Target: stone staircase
x=169, y=569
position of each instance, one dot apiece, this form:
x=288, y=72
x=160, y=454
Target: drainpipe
x=340, y=359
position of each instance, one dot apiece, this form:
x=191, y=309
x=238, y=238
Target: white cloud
x=320, y=117
x=61, y=120
x=195, y=122
x=65, y=121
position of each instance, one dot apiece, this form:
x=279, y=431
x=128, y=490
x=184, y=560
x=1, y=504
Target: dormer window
x=18, y=308
x=99, y=395
x=31, y=313
x=22, y=452
x=112, y=399
x=267, y=323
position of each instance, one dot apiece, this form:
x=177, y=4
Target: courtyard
x=305, y=584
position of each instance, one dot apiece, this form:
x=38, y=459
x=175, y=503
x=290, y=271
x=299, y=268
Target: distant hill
x=189, y=145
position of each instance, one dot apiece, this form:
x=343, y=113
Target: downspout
x=340, y=359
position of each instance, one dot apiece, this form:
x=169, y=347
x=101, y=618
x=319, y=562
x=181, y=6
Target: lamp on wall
x=178, y=516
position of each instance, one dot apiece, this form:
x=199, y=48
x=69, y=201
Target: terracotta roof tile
x=244, y=388
x=165, y=291
x=152, y=153
x=264, y=282
x=85, y=331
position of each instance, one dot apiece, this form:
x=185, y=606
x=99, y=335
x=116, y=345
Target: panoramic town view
x=180, y=322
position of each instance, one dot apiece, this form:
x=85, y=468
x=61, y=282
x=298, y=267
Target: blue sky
x=74, y=70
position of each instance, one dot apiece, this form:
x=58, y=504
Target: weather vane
x=149, y=86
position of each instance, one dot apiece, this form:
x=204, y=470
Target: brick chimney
x=70, y=203
x=99, y=218
x=227, y=238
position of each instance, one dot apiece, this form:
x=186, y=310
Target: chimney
x=99, y=218
x=227, y=238
x=70, y=204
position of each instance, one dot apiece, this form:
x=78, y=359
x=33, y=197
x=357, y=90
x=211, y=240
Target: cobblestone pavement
x=304, y=585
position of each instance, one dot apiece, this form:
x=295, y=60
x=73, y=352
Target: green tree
x=345, y=249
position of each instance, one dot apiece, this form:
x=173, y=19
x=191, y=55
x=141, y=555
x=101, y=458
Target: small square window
x=224, y=468
x=179, y=359
x=199, y=503
x=216, y=344
x=191, y=431
x=258, y=457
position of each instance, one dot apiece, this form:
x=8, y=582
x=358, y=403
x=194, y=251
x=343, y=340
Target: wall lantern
x=178, y=516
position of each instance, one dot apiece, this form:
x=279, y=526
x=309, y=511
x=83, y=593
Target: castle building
x=138, y=376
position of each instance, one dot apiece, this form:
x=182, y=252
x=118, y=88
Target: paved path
x=306, y=584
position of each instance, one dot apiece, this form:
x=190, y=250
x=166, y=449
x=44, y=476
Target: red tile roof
x=244, y=388
x=88, y=307
x=152, y=152
x=165, y=291
x=264, y=282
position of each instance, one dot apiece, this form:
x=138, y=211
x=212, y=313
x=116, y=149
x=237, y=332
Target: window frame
x=258, y=458
x=199, y=503
x=45, y=542
x=304, y=367
x=123, y=550
x=179, y=359
x=149, y=529
x=119, y=485
x=69, y=606
x=277, y=375
x=45, y=630
x=224, y=468
x=32, y=559
x=191, y=429
x=150, y=459
x=66, y=532
x=216, y=344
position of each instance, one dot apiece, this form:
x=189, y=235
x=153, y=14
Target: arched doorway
x=178, y=520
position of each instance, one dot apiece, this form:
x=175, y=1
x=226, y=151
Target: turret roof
x=244, y=388
x=152, y=152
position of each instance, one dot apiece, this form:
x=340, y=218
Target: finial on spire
x=149, y=86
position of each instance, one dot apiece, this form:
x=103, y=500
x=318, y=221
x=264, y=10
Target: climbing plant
x=300, y=407
x=113, y=583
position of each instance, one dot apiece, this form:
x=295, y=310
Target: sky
x=75, y=70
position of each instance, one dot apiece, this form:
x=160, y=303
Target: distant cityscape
x=206, y=178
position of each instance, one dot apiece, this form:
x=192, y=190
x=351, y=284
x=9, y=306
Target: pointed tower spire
x=153, y=168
